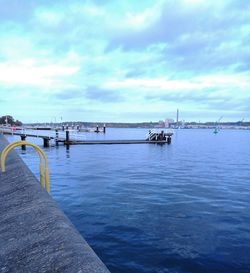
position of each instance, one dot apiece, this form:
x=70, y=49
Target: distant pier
x=153, y=138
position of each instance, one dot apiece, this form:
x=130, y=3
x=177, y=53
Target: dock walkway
x=131, y=141
x=5, y=132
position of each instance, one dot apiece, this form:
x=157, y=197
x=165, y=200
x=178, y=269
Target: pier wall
x=35, y=235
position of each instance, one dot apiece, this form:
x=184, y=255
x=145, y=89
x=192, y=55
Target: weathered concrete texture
x=35, y=236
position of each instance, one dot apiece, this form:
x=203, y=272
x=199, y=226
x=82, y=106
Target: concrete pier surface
x=36, y=236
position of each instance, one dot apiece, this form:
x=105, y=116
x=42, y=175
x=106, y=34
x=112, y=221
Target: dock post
x=56, y=137
x=169, y=140
x=161, y=135
x=23, y=138
x=67, y=140
x=97, y=129
x=45, y=142
x=67, y=136
x=104, y=128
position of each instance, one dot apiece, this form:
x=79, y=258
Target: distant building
x=161, y=124
x=168, y=122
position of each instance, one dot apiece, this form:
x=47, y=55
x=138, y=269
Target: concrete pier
x=36, y=236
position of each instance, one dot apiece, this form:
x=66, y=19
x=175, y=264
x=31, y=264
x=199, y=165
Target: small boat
x=217, y=129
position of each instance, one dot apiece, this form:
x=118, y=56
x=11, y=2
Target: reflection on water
x=150, y=208
x=67, y=151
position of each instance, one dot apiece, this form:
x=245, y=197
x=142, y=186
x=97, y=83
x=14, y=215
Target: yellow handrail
x=43, y=172
x=40, y=153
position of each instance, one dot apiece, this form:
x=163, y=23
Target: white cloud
x=28, y=73
x=175, y=49
x=193, y=84
x=143, y=19
x=49, y=17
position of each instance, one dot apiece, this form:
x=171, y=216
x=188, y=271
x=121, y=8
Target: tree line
x=10, y=120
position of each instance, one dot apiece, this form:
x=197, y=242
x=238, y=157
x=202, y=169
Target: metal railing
x=44, y=172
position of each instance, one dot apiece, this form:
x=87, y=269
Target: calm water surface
x=151, y=208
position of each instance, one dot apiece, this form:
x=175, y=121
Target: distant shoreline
x=150, y=125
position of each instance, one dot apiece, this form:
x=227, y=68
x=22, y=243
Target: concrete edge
x=35, y=235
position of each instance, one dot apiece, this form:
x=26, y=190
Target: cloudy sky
x=109, y=60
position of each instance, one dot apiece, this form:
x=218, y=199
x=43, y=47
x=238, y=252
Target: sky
x=124, y=61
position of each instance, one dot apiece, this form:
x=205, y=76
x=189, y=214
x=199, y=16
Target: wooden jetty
x=23, y=136
x=153, y=138
x=125, y=141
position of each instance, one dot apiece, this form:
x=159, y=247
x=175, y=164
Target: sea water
x=180, y=208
